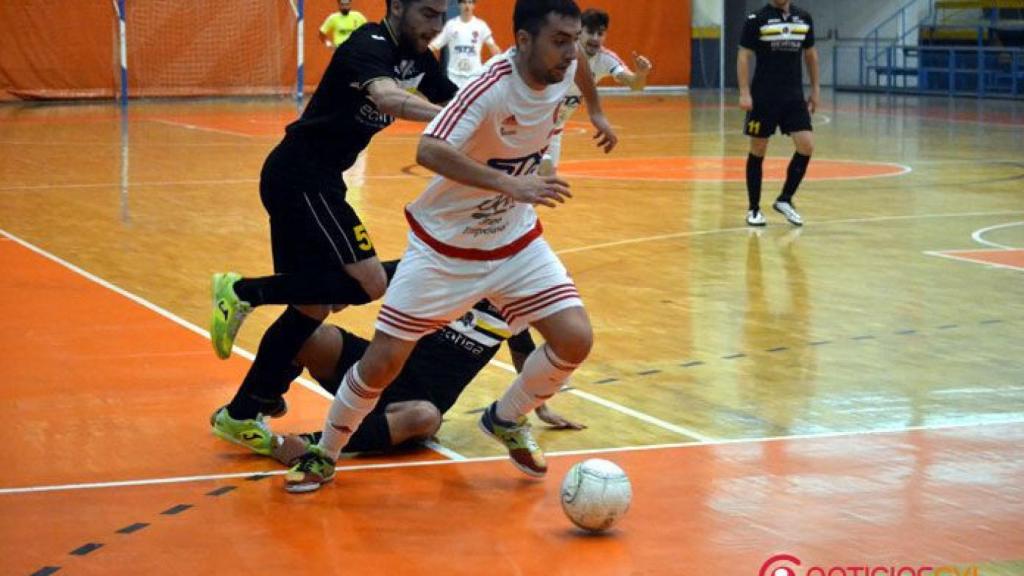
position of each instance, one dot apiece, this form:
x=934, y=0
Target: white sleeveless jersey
x=499, y=121
x=603, y=64
x=465, y=41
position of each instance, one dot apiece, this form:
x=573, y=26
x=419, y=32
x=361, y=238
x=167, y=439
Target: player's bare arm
x=636, y=79
x=446, y=160
x=605, y=136
x=394, y=101
x=493, y=47
x=811, y=61
x=743, y=77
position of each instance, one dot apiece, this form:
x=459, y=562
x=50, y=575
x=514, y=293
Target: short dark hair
x=594, y=19
x=405, y=3
x=529, y=15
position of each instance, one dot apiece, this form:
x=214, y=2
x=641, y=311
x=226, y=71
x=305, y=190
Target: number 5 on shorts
x=363, y=237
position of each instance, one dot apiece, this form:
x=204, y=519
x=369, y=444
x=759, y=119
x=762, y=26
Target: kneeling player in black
x=781, y=36
x=440, y=368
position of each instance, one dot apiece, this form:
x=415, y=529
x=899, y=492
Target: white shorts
x=430, y=290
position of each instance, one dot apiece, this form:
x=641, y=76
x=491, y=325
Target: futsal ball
x=595, y=494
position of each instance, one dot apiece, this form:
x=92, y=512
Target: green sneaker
x=253, y=434
x=228, y=313
x=518, y=438
x=313, y=470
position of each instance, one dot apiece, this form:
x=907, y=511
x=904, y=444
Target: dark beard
x=345, y=11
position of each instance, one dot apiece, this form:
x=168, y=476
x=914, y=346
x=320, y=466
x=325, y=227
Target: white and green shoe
x=229, y=311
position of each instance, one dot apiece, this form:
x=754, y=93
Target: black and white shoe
x=787, y=210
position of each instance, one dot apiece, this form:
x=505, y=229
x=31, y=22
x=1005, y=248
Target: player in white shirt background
x=475, y=233
x=603, y=63
x=465, y=36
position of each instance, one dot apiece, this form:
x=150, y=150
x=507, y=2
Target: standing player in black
x=782, y=37
x=323, y=256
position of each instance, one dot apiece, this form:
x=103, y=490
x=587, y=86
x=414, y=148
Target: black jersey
x=445, y=362
x=778, y=40
x=341, y=119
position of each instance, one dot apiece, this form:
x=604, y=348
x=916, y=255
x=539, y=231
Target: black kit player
x=781, y=36
x=323, y=256
x=441, y=366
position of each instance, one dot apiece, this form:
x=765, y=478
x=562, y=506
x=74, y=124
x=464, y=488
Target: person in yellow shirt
x=341, y=24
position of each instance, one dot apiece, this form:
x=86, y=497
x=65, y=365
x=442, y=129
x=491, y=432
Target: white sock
x=351, y=404
x=543, y=374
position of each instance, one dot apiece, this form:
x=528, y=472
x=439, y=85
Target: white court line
x=745, y=228
x=979, y=235
x=200, y=128
x=904, y=170
x=309, y=385
x=420, y=464
x=664, y=425
x=172, y=183
x=950, y=255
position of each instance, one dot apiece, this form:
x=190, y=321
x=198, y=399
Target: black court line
x=819, y=342
x=176, y=509
x=607, y=381
x=648, y=372
x=948, y=326
x=86, y=548
x=257, y=477
x=906, y=332
x=692, y=364
x=778, y=349
x=476, y=410
x=991, y=322
x=132, y=528
x=46, y=571
x=734, y=356
x=220, y=491
x=866, y=337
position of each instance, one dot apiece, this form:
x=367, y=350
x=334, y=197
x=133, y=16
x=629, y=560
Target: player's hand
x=533, y=189
x=642, y=64
x=559, y=422
x=746, y=102
x=605, y=135
x=812, y=102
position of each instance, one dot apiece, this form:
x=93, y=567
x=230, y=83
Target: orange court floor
x=840, y=398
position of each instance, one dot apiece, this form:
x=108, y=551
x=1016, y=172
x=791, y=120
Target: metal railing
x=952, y=70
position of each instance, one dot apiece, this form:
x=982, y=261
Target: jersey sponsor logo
x=370, y=116
x=509, y=126
x=465, y=50
x=517, y=166
x=375, y=37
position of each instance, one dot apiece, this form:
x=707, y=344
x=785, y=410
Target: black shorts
x=312, y=227
x=788, y=115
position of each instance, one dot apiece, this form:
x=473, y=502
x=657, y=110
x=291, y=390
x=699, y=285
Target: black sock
x=302, y=288
x=373, y=435
x=794, y=175
x=273, y=369
x=754, y=175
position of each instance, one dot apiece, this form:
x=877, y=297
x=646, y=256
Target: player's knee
x=574, y=343
x=759, y=147
x=424, y=419
x=314, y=311
x=375, y=283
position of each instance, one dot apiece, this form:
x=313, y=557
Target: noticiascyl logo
x=779, y=565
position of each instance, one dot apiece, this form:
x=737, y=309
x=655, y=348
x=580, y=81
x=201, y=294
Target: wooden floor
x=850, y=393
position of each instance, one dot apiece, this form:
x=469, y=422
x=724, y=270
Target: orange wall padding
x=57, y=49
x=68, y=48
x=658, y=29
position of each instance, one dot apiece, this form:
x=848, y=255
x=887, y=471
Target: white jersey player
x=465, y=36
x=475, y=233
x=603, y=64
